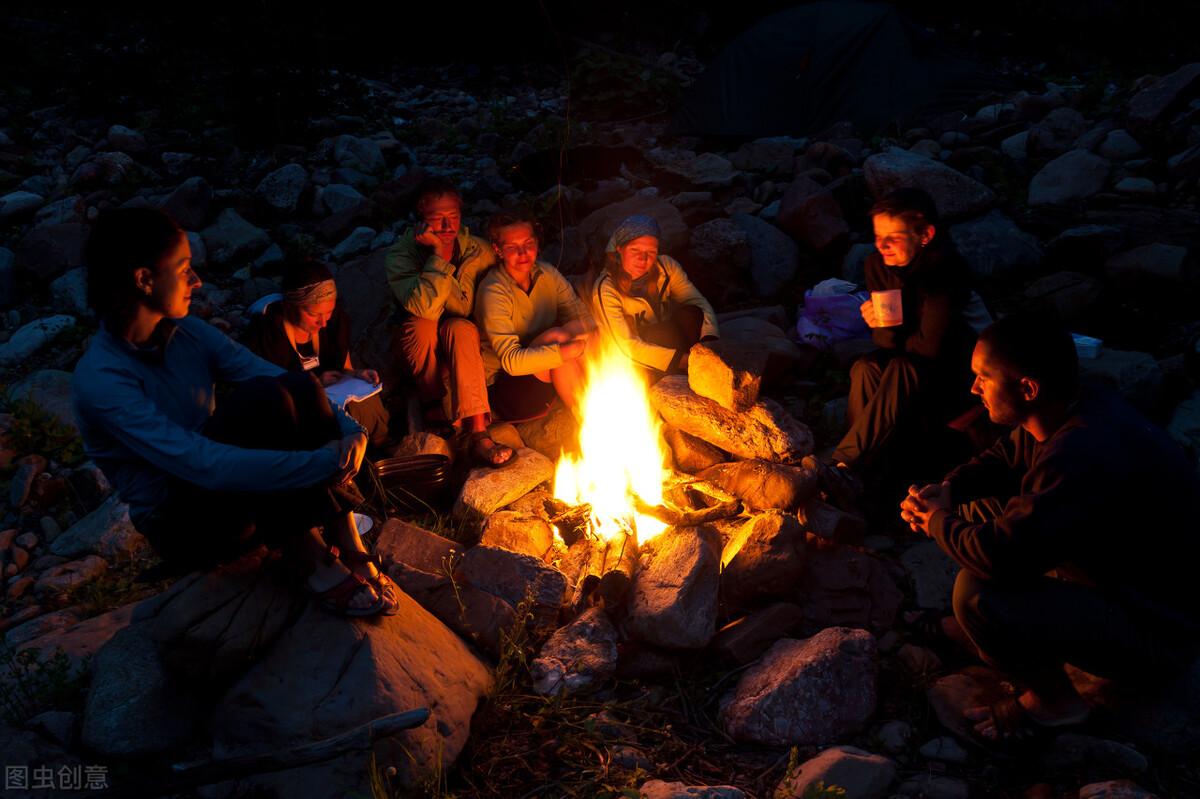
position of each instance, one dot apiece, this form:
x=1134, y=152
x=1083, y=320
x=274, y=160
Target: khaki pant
x=447, y=345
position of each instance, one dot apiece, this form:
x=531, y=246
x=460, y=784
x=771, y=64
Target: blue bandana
x=633, y=227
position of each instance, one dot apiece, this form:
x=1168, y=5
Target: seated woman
x=922, y=368
x=534, y=327
x=272, y=464
x=308, y=332
x=644, y=301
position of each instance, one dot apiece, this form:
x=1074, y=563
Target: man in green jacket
x=433, y=271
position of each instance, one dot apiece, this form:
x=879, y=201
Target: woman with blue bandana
x=644, y=302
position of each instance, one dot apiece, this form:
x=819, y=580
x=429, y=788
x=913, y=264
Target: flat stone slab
x=487, y=490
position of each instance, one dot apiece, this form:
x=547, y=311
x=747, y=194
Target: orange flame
x=621, y=451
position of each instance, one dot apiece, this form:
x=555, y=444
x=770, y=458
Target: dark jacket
x=266, y=337
x=936, y=289
x=1108, y=500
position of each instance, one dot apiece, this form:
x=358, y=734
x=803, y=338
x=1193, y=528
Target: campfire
x=618, y=470
x=620, y=465
x=613, y=490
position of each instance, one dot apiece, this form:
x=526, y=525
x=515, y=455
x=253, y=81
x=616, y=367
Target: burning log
x=603, y=570
x=691, y=518
x=620, y=561
x=572, y=522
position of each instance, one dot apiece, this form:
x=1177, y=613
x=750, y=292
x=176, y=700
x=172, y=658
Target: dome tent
x=799, y=71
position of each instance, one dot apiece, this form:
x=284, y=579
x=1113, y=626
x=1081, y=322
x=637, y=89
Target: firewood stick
x=572, y=523
x=690, y=518
x=620, y=561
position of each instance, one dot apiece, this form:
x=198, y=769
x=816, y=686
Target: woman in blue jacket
x=273, y=463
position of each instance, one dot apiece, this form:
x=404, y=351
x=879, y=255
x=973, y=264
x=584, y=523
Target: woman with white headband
x=309, y=332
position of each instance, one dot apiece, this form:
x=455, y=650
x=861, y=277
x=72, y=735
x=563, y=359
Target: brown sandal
x=338, y=599
x=382, y=584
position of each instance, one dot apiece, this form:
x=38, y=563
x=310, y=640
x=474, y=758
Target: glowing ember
x=621, y=453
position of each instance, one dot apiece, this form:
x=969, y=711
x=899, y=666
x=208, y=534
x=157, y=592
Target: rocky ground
x=1078, y=193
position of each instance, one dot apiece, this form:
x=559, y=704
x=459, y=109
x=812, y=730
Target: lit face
x=638, y=255
x=517, y=247
x=897, y=241
x=311, y=317
x=172, y=283
x=1005, y=395
x=443, y=215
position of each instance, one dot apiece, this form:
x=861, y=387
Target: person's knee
x=969, y=592
x=417, y=335
x=864, y=369
x=458, y=332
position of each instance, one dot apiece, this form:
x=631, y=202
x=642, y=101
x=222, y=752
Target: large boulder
x=784, y=357
x=189, y=204
x=932, y=573
x=860, y=774
x=49, y=250
x=692, y=455
x=50, y=390
x=1069, y=178
x=994, y=246
x=805, y=692
x=764, y=559
x=774, y=257
x=954, y=194
x=31, y=337
x=69, y=292
x=326, y=675
x=811, y=214
x=481, y=618
x=518, y=532
x=849, y=588
x=673, y=603
x=133, y=708
x=17, y=204
x=209, y=627
x=552, y=434
x=80, y=642
x=1160, y=260
x=707, y=170
x=745, y=639
x=369, y=309
x=763, y=485
x=1136, y=376
x=1068, y=294
x=359, y=154
x=517, y=579
x=764, y=431
x=401, y=542
x=487, y=490
x=729, y=374
x=577, y=658
x=106, y=531
x=596, y=227
x=1150, y=105
x=1056, y=132
x=719, y=243
x=281, y=190
x=231, y=239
